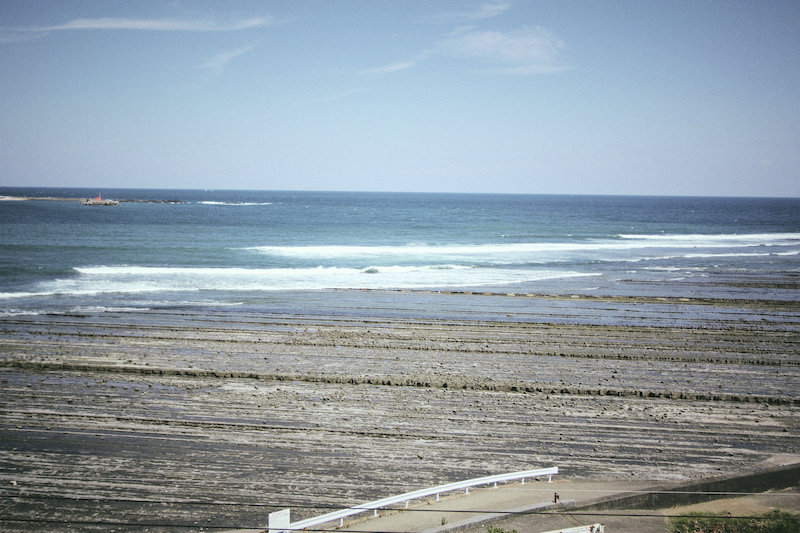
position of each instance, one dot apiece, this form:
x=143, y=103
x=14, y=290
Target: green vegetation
x=492, y=529
x=772, y=522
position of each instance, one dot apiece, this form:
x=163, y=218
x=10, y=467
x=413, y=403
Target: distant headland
x=86, y=201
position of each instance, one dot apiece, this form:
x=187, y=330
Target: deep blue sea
x=254, y=248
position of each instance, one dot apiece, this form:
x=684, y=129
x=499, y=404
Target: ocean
x=202, y=358
x=170, y=249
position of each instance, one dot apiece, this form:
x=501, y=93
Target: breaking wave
x=625, y=248
x=141, y=279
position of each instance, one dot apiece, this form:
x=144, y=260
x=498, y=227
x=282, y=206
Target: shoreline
x=229, y=414
x=787, y=301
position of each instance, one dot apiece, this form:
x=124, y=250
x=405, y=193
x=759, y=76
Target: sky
x=661, y=97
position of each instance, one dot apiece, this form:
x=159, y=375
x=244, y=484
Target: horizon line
x=364, y=191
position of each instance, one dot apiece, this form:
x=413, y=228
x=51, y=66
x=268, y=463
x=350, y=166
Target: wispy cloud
x=490, y=10
x=339, y=96
x=150, y=25
x=527, y=51
x=531, y=50
x=481, y=12
x=218, y=63
x=394, y=67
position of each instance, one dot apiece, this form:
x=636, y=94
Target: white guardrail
x=279, y=521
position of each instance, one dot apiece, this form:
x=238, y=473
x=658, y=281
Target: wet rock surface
x=215, y=419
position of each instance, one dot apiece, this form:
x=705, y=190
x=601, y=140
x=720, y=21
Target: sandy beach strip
x=216, y=418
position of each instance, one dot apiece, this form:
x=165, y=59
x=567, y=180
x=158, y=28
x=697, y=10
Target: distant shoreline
x=46, y=198
x=396, y=193
x=62, y=199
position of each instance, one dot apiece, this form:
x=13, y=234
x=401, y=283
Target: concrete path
x=486, y=505
x=482, y=506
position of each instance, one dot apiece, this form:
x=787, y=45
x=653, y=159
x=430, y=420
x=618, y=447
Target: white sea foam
x=748, y=239
x=18, y=312
x=105, y=309
x=676, y=268
x=663, y=268
x=210, y=202
x=711, y=256
x=425, y=250
x=704, y=256
x=24, y=294
x=137, y=279
x=515, y=252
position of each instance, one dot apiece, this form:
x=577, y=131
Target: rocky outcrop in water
x=95, y=201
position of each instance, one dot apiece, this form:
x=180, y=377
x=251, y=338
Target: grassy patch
x=772, y=522
x=492, y=529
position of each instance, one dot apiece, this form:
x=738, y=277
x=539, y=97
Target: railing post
x=279, y=521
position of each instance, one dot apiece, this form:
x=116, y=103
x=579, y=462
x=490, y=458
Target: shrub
x=492, y=529
x=772, y=522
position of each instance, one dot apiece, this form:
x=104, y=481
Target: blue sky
x=578, y=97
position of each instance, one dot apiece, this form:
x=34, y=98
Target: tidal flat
x=192, y=418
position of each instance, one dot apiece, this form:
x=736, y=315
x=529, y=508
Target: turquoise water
x=249, y=247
